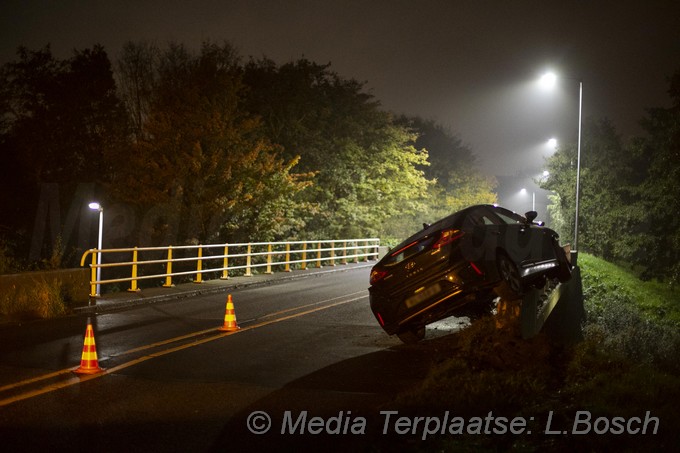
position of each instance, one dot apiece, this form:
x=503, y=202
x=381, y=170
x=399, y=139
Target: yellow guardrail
x=226, y=257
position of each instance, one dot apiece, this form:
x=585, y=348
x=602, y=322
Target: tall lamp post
x=548, y=80
x=533, y=198
x=98, y=207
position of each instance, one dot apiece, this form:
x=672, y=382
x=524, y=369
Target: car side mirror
x=531, y=216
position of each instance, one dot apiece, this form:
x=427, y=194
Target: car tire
x=510, y=286
x=411, y=335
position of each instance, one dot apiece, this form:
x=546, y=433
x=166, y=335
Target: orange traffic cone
x=89, y=363
x=229, y=317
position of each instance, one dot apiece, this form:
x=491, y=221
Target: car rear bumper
x=423, y=302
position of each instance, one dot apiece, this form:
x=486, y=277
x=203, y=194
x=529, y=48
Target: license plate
x=424, y=294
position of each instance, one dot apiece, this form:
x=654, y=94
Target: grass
x=603, y=280
x=626, y=365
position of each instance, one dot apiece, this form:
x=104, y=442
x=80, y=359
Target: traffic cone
x=88, y=362
x=229, y=317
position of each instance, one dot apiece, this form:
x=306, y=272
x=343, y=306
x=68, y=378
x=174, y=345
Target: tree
x=457, y=183
x=658, y=153
x=136, y=77
x=64, y=116
x=609, y=213
x=629, y=193
x=61, y=121
x=204, y=158
x=446, y=151
x=366, y=167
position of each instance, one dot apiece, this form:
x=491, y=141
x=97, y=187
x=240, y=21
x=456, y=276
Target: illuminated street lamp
x=549, y=80
x=552, y=143
x=533, y=198
x=98, y=207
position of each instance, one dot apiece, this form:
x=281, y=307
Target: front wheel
x=411, y=335
x=511, y=283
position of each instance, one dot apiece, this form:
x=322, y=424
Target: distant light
x=548, y=80
x=552, y=143
x=95, y=206
x=546, y=173
x=523, y=191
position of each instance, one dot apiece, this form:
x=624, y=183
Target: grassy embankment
x=627, y=364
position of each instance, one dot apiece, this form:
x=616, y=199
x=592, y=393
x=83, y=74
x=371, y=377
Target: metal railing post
x=225, y=265
x=199, y=266
x=269, y=259
x=304, y=256
x=248, y=273
x=133, y=283
x=93, y=277
x=168, y=270
x=318, y=256
x=287, y=266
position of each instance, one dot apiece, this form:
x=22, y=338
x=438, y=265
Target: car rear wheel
x=511, y=283
x=411, y=335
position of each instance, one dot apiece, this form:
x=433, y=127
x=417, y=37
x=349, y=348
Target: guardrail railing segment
x=145, y=263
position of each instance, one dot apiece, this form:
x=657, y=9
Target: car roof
x=455, y=220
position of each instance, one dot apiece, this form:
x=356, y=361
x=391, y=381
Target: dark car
x=460, y=264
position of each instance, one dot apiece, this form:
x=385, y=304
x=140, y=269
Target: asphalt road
x=308, y=353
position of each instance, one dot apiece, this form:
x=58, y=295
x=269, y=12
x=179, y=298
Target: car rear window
x=409, y=250
x=509, y=220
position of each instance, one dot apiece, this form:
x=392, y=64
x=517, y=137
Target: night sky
x=470, y=65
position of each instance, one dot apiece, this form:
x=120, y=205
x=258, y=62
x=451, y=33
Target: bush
x=41, y=300
x=628, y=318
x=621, y=331
x=7, y=262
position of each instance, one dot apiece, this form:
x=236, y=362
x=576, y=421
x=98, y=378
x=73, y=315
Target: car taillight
x=447, y=237
x=377, y=275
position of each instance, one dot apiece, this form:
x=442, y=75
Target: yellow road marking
x=85, y=378
x=35, y=379
x=309, y=305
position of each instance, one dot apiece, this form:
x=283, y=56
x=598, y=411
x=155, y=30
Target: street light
x=548, y=80
x=533, y=198
x=98, y=207
x=552, y=143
